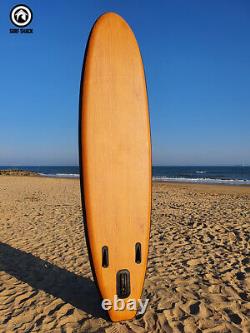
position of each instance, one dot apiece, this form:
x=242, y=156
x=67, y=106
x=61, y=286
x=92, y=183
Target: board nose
x=123, y=283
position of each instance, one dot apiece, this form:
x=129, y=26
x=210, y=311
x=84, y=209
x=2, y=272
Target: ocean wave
x=60, y=175
x=200, y=171
x=168, y=179
x=203, y=180
x=71, y=175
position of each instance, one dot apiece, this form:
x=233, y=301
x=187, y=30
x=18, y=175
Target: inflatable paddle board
x=115, y=161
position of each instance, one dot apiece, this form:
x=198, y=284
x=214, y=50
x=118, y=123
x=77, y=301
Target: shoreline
x=74, y=174
x=201, y=184
x=154, y=181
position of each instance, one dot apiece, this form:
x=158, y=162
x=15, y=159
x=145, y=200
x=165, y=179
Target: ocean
x=231, y=175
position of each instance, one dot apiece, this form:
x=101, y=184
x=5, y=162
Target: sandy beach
x=198, y=277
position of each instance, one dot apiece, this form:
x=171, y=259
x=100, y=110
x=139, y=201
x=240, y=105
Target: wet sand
x=198, y=277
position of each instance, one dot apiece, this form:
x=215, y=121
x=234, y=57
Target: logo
x=21, y=15
x=130, y=305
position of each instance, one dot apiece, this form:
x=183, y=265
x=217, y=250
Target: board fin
x=123, y=283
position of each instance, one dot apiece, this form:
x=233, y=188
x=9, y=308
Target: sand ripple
x=198, y=276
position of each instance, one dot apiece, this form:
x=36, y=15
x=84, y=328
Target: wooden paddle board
x=115, y=159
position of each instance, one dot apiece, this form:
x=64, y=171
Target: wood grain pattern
x=116, y=155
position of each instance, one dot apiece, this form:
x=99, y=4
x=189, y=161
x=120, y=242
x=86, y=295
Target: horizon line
x=157, y=165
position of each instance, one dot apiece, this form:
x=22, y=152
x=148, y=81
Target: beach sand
x=198, y=277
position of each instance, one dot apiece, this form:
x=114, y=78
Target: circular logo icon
x=21, y=15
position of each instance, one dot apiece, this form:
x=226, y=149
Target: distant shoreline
x=18, y=172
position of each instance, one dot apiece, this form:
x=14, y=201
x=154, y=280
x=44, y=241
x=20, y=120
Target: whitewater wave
x=168, y=179
x=60, y=175
x=203, y=180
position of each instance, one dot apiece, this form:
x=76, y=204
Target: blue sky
x=197, y=62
